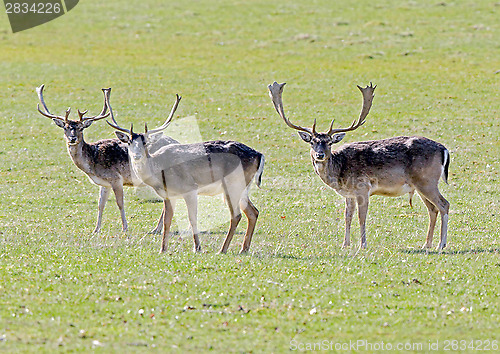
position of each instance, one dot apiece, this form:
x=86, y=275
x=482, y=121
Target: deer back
x=186, y=167
x=385, y=164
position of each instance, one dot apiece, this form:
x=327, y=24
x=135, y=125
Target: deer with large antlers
x=105, y=162
x=188, y=170
x=389, y=167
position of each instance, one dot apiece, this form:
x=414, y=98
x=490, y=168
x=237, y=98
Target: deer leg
x=235, y=219
x=433, y=212
x=444, y=207
x=191, y=200
x=362, y=212
x=103, y=197
x=118, y=190
x=439, y=203
x=168, y=214
x=350, y=205
x=252, y=214
x=159, y=226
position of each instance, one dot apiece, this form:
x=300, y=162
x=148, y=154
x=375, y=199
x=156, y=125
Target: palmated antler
x=367, y=104
x=39, y=91
x=169, y=119
x=275, y=91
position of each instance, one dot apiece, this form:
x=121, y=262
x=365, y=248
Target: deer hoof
x=440, y=247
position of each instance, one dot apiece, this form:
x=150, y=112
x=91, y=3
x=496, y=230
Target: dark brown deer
x=105, y=162
x=389, y=167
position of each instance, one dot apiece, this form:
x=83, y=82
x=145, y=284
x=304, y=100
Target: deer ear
x=337, y=137
x=87, y=123
x=123, y=137
x=305, y=136
x=59, y=123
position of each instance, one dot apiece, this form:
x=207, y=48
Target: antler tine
x=367, y=104
x=68, y=111
x=169, y=119
x=115, y=124
x=81, y=114
x=275, y=92
x=107, y=93
x=39, y=91
x=103, y=112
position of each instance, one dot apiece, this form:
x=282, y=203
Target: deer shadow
x=451, y=252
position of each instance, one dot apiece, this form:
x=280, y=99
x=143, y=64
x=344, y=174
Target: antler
x=115, y=124
x=275, y=92
x=101, y=115
x=39, y=91
x=117, y=127
x=367, y=104
x=169, y=119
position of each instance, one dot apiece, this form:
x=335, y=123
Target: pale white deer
x=389, y=167
x=105, y=162
x=188, y=170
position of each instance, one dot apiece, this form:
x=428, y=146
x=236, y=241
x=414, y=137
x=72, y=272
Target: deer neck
x=80, y=153
x=328, y=171
x=143, y=168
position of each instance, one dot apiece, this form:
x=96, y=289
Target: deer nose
x=320, y=155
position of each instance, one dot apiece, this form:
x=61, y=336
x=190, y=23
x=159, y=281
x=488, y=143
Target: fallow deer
x=105, y=162
x=389, y=167
x=188, y=170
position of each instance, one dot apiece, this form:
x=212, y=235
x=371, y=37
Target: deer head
x=321, y=142
x=73, y=129
x=138, y=143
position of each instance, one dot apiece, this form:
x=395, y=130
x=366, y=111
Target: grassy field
x=437, y=67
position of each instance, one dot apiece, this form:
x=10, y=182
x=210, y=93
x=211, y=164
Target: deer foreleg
x=168, y=214
x=118, y=190
x=350, y=205
x=191, y=200
x=103, y=197
x=362, y=212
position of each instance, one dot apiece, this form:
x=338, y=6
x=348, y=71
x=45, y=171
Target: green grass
x=436, y=66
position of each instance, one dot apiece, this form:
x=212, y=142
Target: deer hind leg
x=252, y=214
x=191, y=200
x=435, y=203
x=362, y=201
x=168, y=214
x=234, y=209
x=433, y=213
x=103, y=197
x=118, y=190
